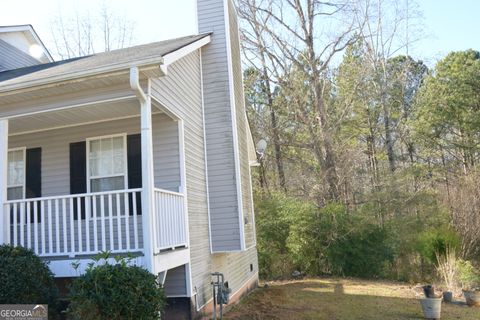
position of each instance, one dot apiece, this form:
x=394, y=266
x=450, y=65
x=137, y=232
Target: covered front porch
x=102, y=175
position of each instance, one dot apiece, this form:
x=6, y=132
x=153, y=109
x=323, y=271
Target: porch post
x=5, y=216
x=148, y=206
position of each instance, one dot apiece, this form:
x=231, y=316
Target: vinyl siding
x=236, y=267
x=175, y=282
x=242, y=131
x=56, y=163
x=180, y=91
x=13, y=58
x=224, y=211
x=55, y=150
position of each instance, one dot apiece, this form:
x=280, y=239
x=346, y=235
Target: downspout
x=148, y=205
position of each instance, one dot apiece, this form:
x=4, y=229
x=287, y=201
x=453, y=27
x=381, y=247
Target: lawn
x=342, y=299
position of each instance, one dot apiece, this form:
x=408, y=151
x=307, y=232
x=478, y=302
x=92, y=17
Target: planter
x=432, y=307
x=447, y=296
x=472, y=298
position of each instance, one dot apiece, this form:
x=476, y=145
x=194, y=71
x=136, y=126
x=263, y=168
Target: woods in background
x=371, y=168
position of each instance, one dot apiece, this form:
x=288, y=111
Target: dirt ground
x=342, y=299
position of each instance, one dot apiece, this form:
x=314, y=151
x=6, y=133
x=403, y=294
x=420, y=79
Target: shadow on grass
x=332, y=299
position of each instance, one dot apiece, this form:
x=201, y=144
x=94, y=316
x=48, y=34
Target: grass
x=341, y=299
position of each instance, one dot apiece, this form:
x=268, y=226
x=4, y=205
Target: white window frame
x=24, y=185
x=125, y=162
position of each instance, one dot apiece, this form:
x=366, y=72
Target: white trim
x=205, y=155
x=183, y=174
x=24, y=183
x=238, y=176
x=125, y=158
x=79, y=124
x=63, y=268
x=164, y=109
x=184, y=190
x=186, y=50
x=4, y=216
x=115, y=68
x=188, y=280
x=29, y=28
x=83, y=104
x=69, y=196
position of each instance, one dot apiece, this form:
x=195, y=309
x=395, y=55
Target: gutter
x=150, y=66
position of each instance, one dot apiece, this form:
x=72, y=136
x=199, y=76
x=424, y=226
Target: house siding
x=242, y=131
x=175, y=282
x=56, y=165
x=224, y=211
x=55, y=150
x=180, y=91
x=13, y=58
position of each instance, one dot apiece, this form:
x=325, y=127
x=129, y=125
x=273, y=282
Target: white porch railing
x=170, y=219
x=80, y=224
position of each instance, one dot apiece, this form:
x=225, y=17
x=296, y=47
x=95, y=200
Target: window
x=16, y=174
x=107, y=164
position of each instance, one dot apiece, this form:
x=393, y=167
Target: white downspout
x=148, y=205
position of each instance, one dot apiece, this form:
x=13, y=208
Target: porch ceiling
x=76, y=116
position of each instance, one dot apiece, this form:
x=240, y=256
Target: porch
x=103, y=175
x=74, y=226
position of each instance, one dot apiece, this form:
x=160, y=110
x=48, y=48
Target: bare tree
x=305, y=35
x=83, y=34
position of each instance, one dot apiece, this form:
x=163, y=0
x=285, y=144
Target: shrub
x=469, y=276
x=435, y=242
x=273, y=227
x=362, y=253
x=26, y=279
x=116, y=291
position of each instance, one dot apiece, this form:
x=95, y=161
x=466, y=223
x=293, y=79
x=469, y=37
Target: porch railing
x=170, y=219
x=80, y=224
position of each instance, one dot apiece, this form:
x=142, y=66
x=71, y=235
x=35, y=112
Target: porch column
x=148, y=206
x=5, y=216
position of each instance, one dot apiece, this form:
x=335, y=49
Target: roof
x=32, y=35
x=115, y=60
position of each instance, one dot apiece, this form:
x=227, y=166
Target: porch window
x=107, y=163
x=16, y=174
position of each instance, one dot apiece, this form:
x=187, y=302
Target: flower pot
x=429, y=291
x=432, y=307
x=472, y=297
x=447, y=296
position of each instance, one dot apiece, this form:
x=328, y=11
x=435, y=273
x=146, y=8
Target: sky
x=447, y=25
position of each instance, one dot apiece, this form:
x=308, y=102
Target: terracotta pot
x=472, y=298
x=432, y=307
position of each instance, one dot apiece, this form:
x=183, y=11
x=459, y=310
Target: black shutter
x=134, y=165
x=33, y=179
x=33, y=183
x=78, y=173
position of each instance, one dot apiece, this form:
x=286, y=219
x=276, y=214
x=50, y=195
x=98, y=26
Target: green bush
x=26, y=279
x=364, y=253
x=469, y=276
x=272, y=218
x=433, y=241
x=116, y=291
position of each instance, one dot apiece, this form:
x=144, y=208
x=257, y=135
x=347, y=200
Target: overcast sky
x=449, y=25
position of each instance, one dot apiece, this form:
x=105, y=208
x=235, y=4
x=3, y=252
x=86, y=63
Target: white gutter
x=135, y=85
x=150, y=64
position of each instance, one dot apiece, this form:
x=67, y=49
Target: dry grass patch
x=342, y=299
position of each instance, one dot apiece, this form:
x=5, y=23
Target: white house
x=143, y=151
